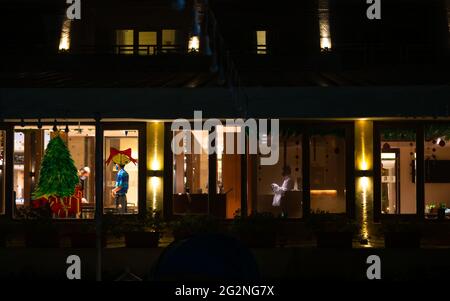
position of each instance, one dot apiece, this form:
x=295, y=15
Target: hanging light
x=67, y=128
x=55, y=127
x=39, y=124
x=22, y=123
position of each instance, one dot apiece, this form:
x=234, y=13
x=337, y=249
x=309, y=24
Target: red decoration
x=114, y=152
x=62, y=207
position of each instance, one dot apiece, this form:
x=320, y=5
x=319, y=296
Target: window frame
x=141, y=127
x=418, y=127
x=9, y=190
x=6, y=170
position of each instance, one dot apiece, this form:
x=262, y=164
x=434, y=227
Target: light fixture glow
x=64, y=40
x=194, y=44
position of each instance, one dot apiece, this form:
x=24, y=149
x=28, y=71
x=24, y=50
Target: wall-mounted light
x=194, y=44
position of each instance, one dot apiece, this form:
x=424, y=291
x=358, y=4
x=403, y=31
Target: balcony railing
x=131, y=49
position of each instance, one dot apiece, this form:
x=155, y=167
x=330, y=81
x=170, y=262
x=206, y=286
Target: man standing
x=120, y=190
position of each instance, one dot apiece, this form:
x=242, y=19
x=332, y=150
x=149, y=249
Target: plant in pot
x=143, y=231
x=189, y=225
x=86, y=236
x=441, y=211
x=258, y=230
x=39, y=228
x=401, y=234
x=332, y=230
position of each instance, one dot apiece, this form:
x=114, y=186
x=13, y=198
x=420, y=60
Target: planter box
x=402, y=240
x=341, y=240
x=142, y=239
x=85, y=240
x=259, y=240
x=42, y=240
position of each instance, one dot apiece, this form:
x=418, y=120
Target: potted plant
x=189, y=225
x=401, y=234
x=143, y=232
x=39, y=228
x=258, y=230
x=332, y=230
x=441, y=211
x=86, y=236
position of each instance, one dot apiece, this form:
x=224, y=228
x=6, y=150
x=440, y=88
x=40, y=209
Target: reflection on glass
x=398, y=171
x=327, y=172
x=122, y=147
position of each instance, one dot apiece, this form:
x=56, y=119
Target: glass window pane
x=261, y=46
x=2, y=171
x=437, y=175
x=147, y=42
x=30, y=146
x=124, y=41
x=121, y=173
x=190, y=173
x=228, y=200
x=327, y=172
x=279, y=186
x=169, y=40
x=398, y=171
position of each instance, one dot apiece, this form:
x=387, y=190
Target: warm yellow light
x=364, y=182
x=323, y=192
x=155, y=147
x=363, y=187
x=155, y=187
x=363, y=144
x=324, y=26
x=194, y=44
x=64, y=41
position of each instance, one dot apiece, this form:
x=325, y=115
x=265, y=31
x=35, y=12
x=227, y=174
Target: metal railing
x=131, y=49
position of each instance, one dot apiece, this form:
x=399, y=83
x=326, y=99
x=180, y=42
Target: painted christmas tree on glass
x=58, y=181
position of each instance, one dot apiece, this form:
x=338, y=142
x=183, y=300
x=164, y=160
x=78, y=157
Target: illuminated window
x=261, y=46
x=121, y=172
x=398, y=171
x=30, y=145
x=169, y=40
x=437, y=176
x=190, y=173
x=2, y=171
x=124, y=41
x=279, y=186
x=147, y=42
x=327, y=172
x=228, y=172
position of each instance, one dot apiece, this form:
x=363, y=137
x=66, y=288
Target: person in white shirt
x=279, y=191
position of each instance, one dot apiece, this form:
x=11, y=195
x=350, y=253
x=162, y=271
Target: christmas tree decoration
x=120, y=157
x=58, y=174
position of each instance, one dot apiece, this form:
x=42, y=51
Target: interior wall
x=436, y=193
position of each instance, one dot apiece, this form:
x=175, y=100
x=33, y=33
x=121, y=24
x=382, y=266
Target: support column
x=364, y=179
